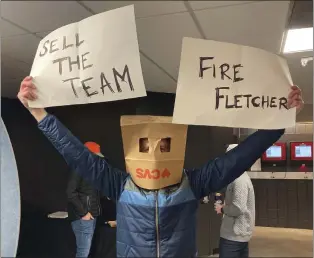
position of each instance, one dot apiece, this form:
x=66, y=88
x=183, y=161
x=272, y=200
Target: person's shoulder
x=241, y=181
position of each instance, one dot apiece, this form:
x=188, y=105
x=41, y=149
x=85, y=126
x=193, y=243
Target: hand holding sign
x=295, y=99
x=89, y=61
x=232, y=85
x=27, y=94
x=27, y=91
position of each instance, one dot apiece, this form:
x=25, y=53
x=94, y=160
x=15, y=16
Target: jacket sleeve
x=89, y=166
x=239, y=200
x=220, y=172
x=72, y=195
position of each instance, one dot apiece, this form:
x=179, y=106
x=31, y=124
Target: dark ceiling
x=302, y=14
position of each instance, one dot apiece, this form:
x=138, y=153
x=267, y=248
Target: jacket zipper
x=157, y=226
x=99, y=204
x=88, y=204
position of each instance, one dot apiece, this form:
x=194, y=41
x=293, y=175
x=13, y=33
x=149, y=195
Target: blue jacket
x=157, y=223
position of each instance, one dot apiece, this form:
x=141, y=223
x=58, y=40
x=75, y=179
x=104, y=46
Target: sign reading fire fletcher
x=94, y=60
x=223, y=84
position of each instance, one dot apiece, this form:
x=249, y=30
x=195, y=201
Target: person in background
x=238, y=217
x=83, y=208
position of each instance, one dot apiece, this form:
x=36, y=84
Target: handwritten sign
x=223, y=84
x=94, y=60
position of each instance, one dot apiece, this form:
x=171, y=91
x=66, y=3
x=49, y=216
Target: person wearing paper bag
x=158, y=199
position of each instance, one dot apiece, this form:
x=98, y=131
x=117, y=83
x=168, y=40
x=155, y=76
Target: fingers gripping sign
x=28, y=93
x=295, y=98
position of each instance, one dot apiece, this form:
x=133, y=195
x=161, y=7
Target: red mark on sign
x=154, y=174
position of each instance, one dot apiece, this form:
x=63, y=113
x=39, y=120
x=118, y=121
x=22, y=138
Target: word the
x=103, y=82
x=248, y=100
x=79, y=62
x=223, y=70
x=154, y=174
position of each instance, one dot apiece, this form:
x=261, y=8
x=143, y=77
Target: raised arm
x=220, y=172
x=217, y=174
x=92, y=168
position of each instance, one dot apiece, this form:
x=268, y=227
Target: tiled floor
x=281, y=242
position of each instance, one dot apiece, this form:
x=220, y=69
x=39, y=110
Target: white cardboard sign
x=228, y=85
x=94, y=60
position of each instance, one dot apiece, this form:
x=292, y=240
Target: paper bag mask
x=154, y=150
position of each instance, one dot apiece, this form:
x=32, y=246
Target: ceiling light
x=299, y=40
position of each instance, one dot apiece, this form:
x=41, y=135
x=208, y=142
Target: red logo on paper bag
x=154, y=174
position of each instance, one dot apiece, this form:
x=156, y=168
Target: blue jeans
x=83, y=231
x=233, y=249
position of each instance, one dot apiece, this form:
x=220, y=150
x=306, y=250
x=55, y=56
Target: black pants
x=104, y=242
x=233, y=249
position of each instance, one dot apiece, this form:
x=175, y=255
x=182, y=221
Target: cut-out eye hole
x=165, y=145
x=144, y=145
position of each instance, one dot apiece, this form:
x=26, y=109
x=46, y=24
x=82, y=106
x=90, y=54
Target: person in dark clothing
x=104, y=242
x=159, y=222
x=83, y=208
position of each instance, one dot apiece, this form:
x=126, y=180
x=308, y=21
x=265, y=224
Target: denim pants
x=233, y=249
x=83, y=231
